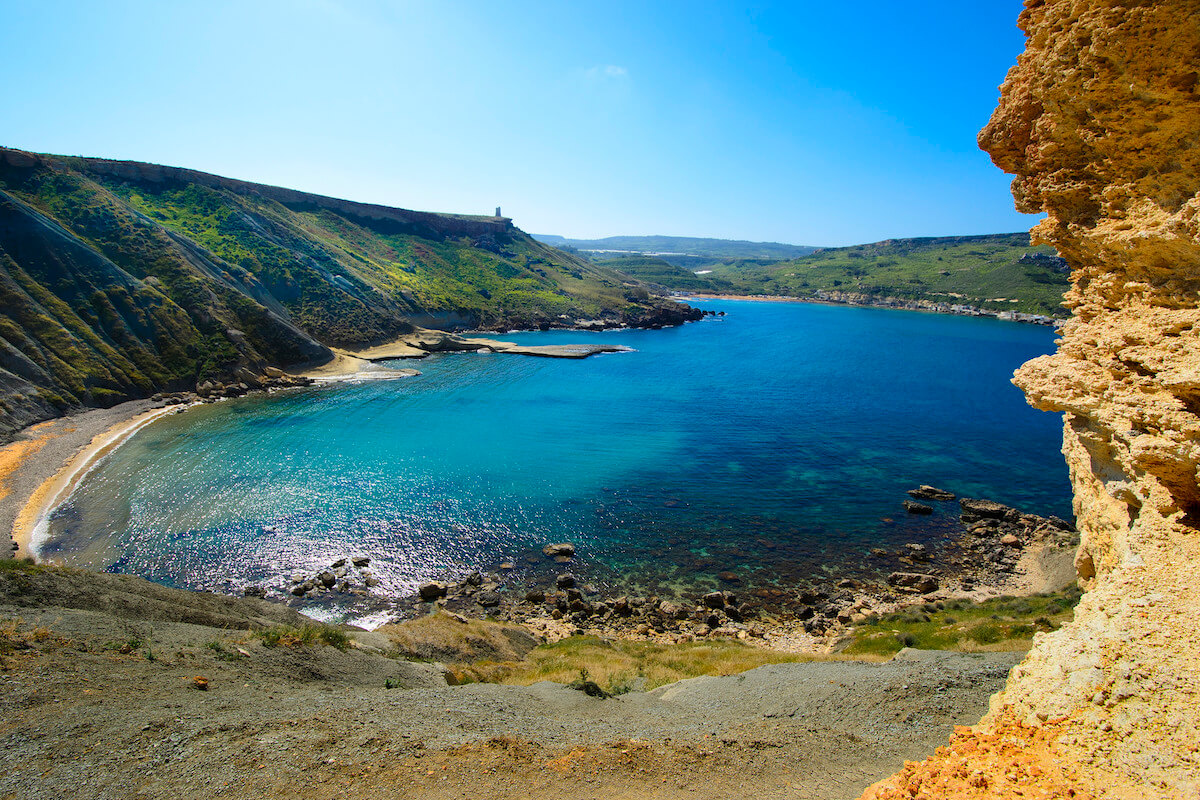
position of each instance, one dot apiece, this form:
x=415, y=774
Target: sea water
x=775, y=442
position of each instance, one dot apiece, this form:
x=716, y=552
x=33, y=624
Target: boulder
x=917, y=508
x=926, y=492
x=729, y=577
x=714, y=600
x=669, y=610
x=560, y=550
x=916, y=552
x=1010, y=540
x=565, y=581
x=360, y=561
x=986, y=509
x=254, y=591
x=914, y=581
x=431, y=591
x=327, y=579
x=488, y=599
x=535, y=596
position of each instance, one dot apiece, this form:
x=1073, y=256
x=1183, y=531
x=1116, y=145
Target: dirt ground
x=98, y=699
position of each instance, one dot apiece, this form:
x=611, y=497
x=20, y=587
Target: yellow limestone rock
x=1100, y=124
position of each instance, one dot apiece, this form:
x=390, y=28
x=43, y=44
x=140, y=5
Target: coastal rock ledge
x=1098, y=122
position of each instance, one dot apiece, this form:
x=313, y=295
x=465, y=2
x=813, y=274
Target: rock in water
x=926, y=492
x=560, y=550
x=917, y=508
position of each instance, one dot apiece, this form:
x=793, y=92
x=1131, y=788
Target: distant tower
x=497, y=211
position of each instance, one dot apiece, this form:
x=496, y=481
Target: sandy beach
x=44, y=462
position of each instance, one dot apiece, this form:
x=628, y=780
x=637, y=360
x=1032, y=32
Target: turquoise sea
x=775, y=442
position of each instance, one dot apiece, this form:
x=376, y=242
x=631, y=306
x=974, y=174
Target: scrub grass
x=303, y=636
x=619, y=666
x=1002, y=623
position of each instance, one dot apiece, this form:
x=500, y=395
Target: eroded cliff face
x=1100, y=123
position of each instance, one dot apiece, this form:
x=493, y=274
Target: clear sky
x=816, y=123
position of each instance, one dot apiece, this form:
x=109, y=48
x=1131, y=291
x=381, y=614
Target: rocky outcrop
x=1098, y=122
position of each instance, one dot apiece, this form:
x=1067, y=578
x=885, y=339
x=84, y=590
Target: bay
x=776, y=442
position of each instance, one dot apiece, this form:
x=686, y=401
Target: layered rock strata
x=1100, y=124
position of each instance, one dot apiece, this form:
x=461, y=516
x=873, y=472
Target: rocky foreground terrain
x=1098, y=123
x=113, y=687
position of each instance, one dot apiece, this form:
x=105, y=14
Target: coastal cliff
x=121, y=279
x=1098, y=122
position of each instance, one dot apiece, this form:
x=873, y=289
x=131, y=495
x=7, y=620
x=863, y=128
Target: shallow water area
x=774, y=443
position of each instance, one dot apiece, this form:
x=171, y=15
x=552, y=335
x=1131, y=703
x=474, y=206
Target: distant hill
x=685, y=251
x=665, y=275
x=119, y=279
x=998, y=271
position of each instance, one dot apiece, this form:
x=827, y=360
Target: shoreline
x=45, y=461
x=893, y=304
x=44, y=465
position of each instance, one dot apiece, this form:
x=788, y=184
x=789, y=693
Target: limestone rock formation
x=1100, y=123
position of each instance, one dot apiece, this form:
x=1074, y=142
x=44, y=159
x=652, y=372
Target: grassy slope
x=1002, y=623
x=658, y=272
x=317, y=262
x=974, y=270
x=116, y=287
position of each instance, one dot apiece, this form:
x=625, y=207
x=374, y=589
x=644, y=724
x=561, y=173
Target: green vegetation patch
x=662, y=273
x=303, y=636
x=1002, y=623
x=617, y=666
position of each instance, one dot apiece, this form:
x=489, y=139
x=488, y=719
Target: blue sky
x=803, y=122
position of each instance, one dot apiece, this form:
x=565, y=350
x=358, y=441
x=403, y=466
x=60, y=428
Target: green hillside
x=663, y=274
x=119, y=279
x=1000, y=272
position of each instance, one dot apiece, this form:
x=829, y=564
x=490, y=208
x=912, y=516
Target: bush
x=985, y=634
x=304, y=636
